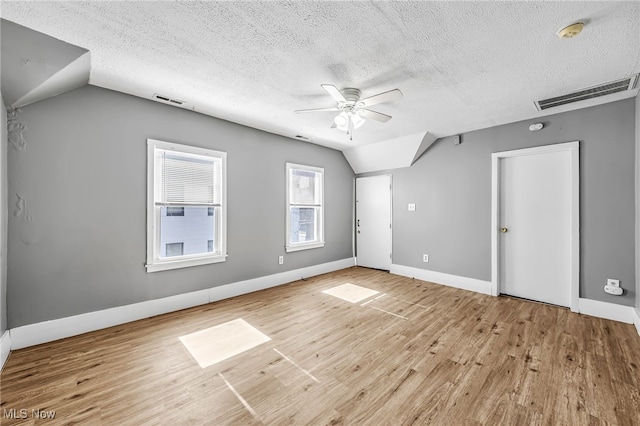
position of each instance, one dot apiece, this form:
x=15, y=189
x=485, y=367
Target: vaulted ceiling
x=461, y=65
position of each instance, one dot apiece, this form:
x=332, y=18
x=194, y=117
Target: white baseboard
x=47, y=331
x=606, y=310
x=257, y=284
x=636, y=319
x=5, y=347
x=456, y=281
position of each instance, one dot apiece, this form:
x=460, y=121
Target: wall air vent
x=623, y=85
x=302, y=138
x=167, y=99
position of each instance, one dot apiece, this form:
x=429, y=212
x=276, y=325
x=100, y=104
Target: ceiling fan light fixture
x=357, y=120
x=347, y=119
x=342, y=121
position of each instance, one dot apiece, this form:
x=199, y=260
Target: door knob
x=503, y=230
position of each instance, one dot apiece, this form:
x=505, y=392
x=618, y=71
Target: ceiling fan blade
x=334, y=92
x=298, y=111
x=367, y=113
x=389, y=96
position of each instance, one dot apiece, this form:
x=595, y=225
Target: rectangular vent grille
x=589, y=93
x=167, y=99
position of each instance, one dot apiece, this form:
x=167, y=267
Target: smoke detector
x=571, y=30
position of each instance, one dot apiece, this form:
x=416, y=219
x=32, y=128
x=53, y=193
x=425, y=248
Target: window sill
x=299, y=247
x=183, y=263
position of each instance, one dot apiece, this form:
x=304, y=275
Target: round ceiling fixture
x=571, y=30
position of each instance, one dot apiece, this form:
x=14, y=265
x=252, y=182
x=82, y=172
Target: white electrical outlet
x=425, y=257
x=411, y=207
x=613, y=287
x=280, y=260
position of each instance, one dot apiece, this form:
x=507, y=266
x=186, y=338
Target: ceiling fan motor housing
x=351, y=94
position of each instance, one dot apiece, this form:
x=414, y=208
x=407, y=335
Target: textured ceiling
x=461, y=65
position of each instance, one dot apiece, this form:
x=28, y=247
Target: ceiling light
x=342, y=121
x=357, y=120
x=571, y=30
x=347, y=121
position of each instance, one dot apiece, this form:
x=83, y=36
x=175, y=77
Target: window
x=175, y=211
x=174, y=249
x=186, y=206
x=305, y=213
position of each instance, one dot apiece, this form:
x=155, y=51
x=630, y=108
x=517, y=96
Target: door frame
x=355, y=215
x=574, y=221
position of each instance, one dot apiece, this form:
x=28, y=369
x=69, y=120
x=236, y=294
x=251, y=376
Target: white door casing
x=535, y=196
x=373, y=222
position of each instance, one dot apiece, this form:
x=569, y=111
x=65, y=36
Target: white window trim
x=290, y=247
x=153, y=263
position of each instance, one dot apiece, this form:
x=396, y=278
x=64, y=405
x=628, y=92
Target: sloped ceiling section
x=36, y=66
x=386, y=155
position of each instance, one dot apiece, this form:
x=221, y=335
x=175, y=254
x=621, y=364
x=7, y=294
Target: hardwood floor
x=420, y=354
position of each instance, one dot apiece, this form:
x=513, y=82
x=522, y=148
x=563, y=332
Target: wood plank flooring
x=420, y=354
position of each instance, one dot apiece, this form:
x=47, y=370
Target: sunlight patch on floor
x=350, y=292
x=223, y=341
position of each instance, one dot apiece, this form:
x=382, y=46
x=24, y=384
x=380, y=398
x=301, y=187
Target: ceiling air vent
x=167, y=99
x=589, y=93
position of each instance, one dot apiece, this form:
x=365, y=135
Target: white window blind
x=186, y=179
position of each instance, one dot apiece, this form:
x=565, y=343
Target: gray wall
x=451, y=186
x=80, y=244
x=638, y=203
x=3, y=218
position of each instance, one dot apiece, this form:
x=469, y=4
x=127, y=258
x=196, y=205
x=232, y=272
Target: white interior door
x=373, y=222
x=535, y=219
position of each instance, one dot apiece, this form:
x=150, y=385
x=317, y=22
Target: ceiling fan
x=353, y=110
